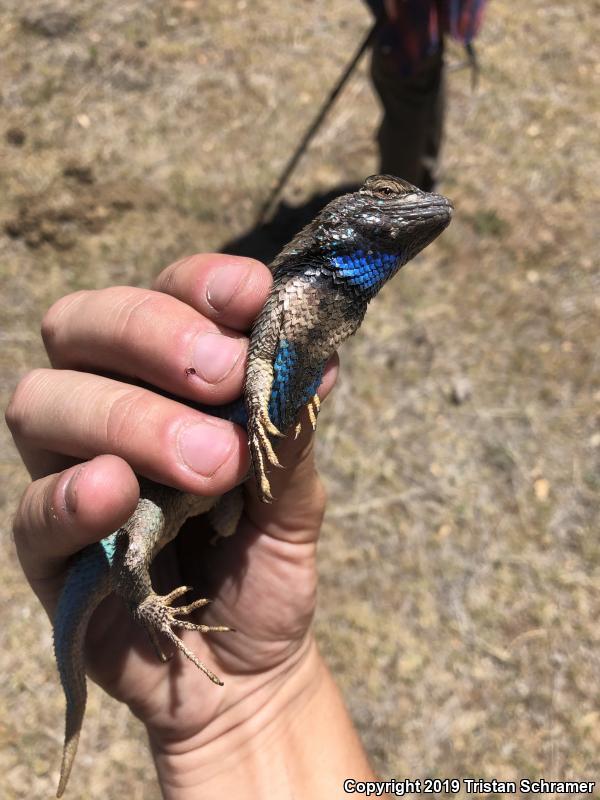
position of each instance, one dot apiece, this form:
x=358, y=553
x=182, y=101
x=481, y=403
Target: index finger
x=230, y=290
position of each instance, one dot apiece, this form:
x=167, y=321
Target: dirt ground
x=460, y=596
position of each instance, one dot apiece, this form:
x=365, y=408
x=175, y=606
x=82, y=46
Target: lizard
x=323, y=281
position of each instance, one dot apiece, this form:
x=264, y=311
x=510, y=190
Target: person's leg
x=411, y=130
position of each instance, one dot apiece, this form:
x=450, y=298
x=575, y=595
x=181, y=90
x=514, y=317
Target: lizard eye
x=387, y=186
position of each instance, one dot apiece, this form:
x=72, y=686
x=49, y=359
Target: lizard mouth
x=424, y=219
x=436, y=209
x=428, y=208
x=445, y=202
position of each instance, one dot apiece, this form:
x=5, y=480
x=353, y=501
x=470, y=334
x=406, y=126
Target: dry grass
x=461, y=560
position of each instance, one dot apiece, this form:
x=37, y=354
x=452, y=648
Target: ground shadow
x=265, y=240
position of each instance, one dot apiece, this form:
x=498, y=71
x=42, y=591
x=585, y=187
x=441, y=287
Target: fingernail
x=215, y=356
x=205, y=447
x=224, y=284
x=70, y=492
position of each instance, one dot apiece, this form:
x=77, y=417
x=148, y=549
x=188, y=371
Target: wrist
x=289, y=735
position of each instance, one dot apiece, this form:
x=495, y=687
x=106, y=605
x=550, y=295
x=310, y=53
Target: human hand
x=83, y=436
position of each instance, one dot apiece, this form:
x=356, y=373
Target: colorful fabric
x=418, y=31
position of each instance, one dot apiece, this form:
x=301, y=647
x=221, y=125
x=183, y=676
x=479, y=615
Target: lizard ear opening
x=387, y=186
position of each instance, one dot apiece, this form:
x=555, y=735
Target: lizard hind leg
x=156, y=521
x=87, y=584
x=167, y=600
x=159, y=617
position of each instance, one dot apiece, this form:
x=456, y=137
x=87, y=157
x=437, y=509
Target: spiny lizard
x=323, y=281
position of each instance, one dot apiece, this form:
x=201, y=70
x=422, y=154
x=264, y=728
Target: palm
x=262, y=582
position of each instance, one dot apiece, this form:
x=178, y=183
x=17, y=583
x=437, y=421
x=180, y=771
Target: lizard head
x=373, y=232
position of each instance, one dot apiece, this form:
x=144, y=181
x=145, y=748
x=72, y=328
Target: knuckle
x=17, y=411
x=36, y=512
x=54, y=318
x=128, y=412
x=132, y=313
x=21, y=522
x=168, y=280
x=19, y=527
x=183, y=338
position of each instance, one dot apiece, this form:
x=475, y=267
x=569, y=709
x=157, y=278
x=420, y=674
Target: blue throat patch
x=366, y=269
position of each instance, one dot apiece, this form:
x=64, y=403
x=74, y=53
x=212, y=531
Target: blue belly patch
x=287, y=397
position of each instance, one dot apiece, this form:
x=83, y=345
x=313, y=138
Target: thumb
x=62, y=513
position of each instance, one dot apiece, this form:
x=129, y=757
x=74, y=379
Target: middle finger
x=82, y=416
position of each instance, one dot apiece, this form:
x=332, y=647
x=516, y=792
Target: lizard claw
x=159, y=617
x=271, y=429
x=260, y=427
x=313, y=407
x=258, y=460
x=262, y=418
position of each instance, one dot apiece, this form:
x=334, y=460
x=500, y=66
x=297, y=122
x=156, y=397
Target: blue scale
x=285, y=363
x=365, y=269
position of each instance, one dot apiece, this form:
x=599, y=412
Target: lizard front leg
x=264, y=345
x=259, y=381
x=285, y=366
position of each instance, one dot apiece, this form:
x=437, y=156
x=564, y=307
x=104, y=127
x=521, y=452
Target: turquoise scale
x=91, y=563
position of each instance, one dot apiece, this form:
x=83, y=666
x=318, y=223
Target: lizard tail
x=87, y=584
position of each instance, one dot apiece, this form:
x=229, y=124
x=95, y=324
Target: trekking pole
x=267, y=206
